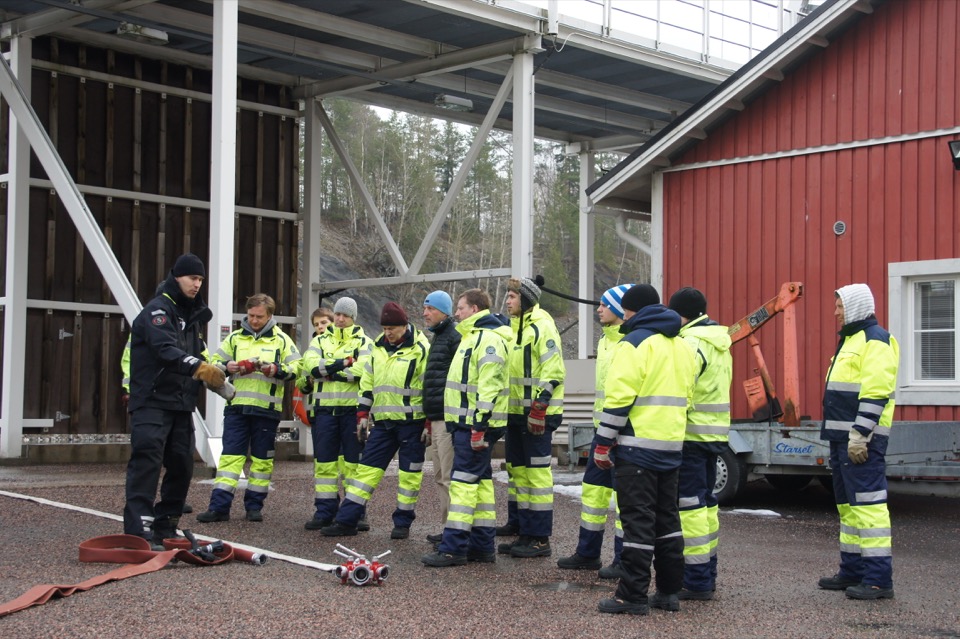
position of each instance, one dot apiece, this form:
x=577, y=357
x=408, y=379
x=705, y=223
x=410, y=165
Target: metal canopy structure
x=507, y=65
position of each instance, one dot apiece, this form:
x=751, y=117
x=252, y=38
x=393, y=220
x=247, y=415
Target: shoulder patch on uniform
x=551, y=343
x=491, y=350
x=159, y=311
x=159, y=320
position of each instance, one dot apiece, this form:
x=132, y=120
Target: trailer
x=777, y=444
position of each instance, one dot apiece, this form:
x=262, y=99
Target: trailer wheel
x=731, y=476
x=789, y=483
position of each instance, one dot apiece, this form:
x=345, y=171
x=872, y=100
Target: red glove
x=427, y=435
x=477, y=442
x=537, y=419
x=125, y=399
x=247, y=366
x=348, y=361
x=363, y=426
x=269, y=370
x=601, y=457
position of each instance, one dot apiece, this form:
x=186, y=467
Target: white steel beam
x=68, y=192
x=365, y=195
x=443, y=63
x=311, y=215
x=343, y=27
x=44, y=22
x=523, y=216
x=223, y=158
x=453, y=276
x=585, y=313
x=18, y=242
x=465, y=167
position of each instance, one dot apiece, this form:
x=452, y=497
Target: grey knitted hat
x=527, y=289
x=347, y=306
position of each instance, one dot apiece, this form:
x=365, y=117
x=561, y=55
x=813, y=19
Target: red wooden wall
x=739, y=231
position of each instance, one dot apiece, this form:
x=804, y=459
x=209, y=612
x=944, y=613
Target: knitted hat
x=527, y=289
x=638, y=297
x=688, y=302
x=440, y=301
x=188, y=264
x=613, y=297
x=347, y=306
x=393, y=315
x=857, y=302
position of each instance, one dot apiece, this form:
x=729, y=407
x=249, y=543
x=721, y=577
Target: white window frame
x=901, y=277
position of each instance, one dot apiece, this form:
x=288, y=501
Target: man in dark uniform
x=166, y=375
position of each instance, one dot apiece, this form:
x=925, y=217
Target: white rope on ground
x=299, y=561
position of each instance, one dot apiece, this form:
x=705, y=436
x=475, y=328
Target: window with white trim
x=924, y=309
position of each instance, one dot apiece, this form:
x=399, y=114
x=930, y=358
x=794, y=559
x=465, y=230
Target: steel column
x=523, y=96
x=656, y=232
x=18, y=239
x=585, y=313
x=311, y=215
x=223, y=158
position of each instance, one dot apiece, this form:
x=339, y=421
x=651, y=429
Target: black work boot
x=507, y=546
x=165, y=528
x=838, y=582
x=577, y=561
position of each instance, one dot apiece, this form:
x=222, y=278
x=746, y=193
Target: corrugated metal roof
x=590, y=88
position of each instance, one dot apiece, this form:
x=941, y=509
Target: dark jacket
x=446, y=339
x=165, y=349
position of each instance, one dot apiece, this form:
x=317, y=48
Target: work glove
x=363, y=426
x=857, y=446
x=247, y=366
x=477, y=442
x=426, y=437
x=210, y=375
x=269, y=370
x=227, y=391
x=537, y=419
x=601, y=457
x=125, y=399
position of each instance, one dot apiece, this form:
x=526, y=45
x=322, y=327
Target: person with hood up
x=259, y=358
x=857, y=416
x=642, y=426
x=708, y=430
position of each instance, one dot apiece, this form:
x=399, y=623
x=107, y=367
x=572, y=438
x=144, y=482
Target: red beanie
x=393, y=315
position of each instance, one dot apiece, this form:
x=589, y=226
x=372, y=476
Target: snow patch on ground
x=754, y=512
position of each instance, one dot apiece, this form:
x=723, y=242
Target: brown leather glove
x=210, y=374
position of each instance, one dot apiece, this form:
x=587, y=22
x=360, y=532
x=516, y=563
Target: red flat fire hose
x=139, y=559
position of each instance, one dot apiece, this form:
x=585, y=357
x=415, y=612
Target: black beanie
x=688, y=302
x=188, y=264
x=640, y=296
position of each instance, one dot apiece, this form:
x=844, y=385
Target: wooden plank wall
x=119, y=137
x=739, y=231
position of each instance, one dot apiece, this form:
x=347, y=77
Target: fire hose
x=139, y=559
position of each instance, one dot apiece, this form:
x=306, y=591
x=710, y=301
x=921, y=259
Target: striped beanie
x=857, y=302
x=613, y=297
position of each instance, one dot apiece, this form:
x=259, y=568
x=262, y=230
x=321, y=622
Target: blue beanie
x=440, y=301
x=613, y=297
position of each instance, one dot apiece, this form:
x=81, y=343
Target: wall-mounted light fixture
x=140, y=33
x=453, y=103
x=955, y=153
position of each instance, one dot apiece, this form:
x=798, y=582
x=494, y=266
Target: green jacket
x=708, y=417
x=391, y=387
x=476, y=393
x=535, y=358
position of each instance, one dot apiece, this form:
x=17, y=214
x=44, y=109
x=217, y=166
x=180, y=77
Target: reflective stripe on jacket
x=861, y=382
x=270, y=346
x=476, y=392
x=391, y=387
x=708, y=418
x=648, y=389
x=605, y=350
x=335, y=385
x=536, y=363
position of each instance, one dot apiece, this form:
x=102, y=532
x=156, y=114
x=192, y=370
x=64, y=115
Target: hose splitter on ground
x=359, y=570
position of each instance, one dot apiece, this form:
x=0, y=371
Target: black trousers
x=651, y=531
x=158, y=439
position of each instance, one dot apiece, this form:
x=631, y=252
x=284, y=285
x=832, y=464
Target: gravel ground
x=767, y=586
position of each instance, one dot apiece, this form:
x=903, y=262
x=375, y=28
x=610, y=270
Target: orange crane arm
x=761, y=395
